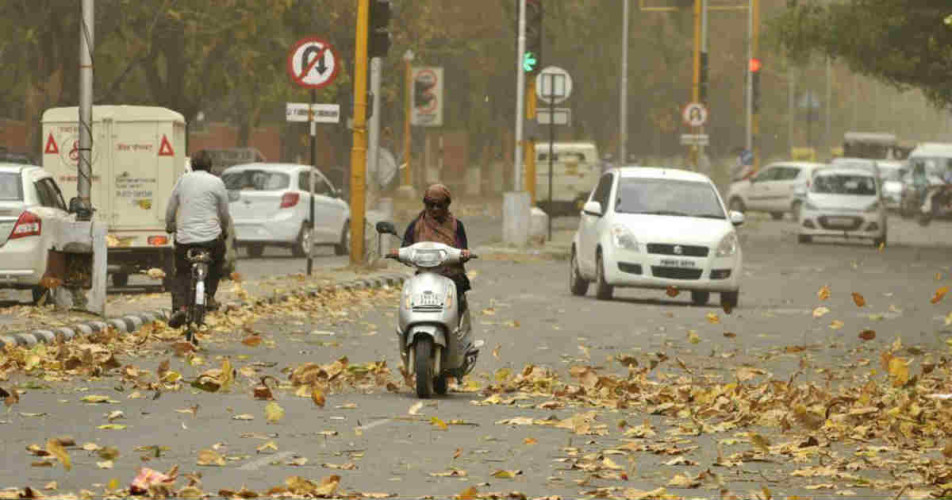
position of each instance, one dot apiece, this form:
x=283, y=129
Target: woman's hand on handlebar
x=466, y=255
x=392, y=254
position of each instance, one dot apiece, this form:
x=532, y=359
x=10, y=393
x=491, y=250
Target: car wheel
x=577, y=284
x=38, y=293
x=729, y=299
x=700, y=298
x=795, y=209
x=304, y=244
x=343, y=248
x=776, y=215
x=737, y=205
x=255, y=251
x=804, y=238
x=120, y=279
x=603, y=291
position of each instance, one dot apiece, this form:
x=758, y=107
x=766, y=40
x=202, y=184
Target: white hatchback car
x=656, y=228
x=844, y=202
x=29, y=200
x=270, y=205
x=773, y=189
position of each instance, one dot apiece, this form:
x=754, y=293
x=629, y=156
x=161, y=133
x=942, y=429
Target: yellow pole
x=358, y=155
x=755, y=46
x=696, y=81
x=406, y=125
x=530, y=155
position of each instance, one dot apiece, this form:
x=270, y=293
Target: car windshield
x=668, y=197
x=890, y=174
x=10, y=187
x=851, y=184
x=256, y=180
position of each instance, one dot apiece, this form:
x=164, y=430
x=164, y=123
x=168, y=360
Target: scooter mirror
x=386, y=228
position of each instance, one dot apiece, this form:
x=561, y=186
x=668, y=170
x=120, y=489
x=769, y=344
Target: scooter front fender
x=435, y=331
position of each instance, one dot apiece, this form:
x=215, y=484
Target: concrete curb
x=131, y=323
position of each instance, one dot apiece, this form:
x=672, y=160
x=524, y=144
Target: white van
x=576, y=169
x=138, y=154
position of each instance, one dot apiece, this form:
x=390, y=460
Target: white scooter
x=435, y=336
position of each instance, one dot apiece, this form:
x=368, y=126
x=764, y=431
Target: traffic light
x=532, y=62
x=378, y=34
x=755, y=66
x=421, y=93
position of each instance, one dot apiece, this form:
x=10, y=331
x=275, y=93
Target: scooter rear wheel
x=423, y=367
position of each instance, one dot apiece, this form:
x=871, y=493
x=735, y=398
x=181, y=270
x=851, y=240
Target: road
x=370, y=437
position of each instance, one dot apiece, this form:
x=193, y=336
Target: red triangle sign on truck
x=165, y=149
x=51, y=147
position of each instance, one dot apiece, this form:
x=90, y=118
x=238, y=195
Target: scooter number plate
x=428, y=299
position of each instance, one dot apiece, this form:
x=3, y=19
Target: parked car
x=844, y=202
x=773, y=189
x=891, y=175
x=270, y=205
x=657, y=228
x=927, y=165
x=29, y=196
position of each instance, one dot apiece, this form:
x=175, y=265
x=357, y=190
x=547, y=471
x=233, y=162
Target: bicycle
x=197, y=298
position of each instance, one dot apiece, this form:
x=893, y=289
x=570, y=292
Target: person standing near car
x=197, y=214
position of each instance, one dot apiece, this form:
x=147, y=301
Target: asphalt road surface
x=522, y=309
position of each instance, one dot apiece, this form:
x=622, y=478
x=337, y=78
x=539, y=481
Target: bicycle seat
x=196, y=255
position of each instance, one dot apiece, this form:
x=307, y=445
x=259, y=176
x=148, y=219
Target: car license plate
x=677, y=263
x=840, y=221
x=428, y=299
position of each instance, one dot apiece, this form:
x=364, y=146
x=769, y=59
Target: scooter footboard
x=435, y=331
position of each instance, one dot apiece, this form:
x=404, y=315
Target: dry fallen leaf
x=859, y=300
x=939, y=294
x=467, y=494
x=435, y=421
x=760, y=442
x=53, y=447
x=506, y=474
x=155, y=273
x=273, y=412
x=415, y=409
x=268, y=447
x=317, y=396
x=836, y=324
x=730, y=335
x=693, y=337
x=529, y=441
x=867, y=334
x=899, y=371
x=209, y=458
x=821, y=311
x=108, y=464
x=672, y=292
x=252, y=340
x=713, y=318
x=823, y=293
x=457, y=453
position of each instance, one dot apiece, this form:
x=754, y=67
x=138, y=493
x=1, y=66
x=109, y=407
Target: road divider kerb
x=131, y=323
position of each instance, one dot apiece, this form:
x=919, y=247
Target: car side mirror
x=74, y=204
x=385, y=227
x=592, y=208
x=737, y=218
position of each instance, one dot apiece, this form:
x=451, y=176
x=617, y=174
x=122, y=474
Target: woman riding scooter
x=437, y=224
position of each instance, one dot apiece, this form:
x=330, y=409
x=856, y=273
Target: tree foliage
x=905, y=43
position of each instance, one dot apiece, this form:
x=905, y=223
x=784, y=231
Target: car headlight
x=622, y=237
x=873, y=208
x=810, y=206
x=728, y=245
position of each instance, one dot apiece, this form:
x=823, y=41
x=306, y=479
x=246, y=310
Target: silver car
x=270, y=205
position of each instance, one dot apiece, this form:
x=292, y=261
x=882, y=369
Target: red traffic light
x=755, y=65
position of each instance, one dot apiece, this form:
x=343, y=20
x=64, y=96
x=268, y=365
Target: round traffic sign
x=553, y=84
x=694, y=114
x=312, y=63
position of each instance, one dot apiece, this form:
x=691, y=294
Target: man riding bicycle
x=198, y=215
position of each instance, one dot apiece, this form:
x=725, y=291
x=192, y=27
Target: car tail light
x=29, y=224
x=158, y=241
x=290, y=199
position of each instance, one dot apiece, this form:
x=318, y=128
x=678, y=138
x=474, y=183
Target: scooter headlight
x=448, y=301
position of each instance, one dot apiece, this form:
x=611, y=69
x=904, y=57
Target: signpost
x=553, y=86
x=427, y=97
x=695, y=115
x=312, y=64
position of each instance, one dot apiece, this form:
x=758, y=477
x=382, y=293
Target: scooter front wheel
x=423, y=366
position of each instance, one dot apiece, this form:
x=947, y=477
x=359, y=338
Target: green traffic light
x=529, y=62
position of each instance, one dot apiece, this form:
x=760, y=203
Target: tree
x=907, y=44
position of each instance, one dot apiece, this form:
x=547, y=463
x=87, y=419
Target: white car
x=773, y=189
x=891, y=174
x=29, y=200
x=656, y=228
x=270, y=205
x=844, y=202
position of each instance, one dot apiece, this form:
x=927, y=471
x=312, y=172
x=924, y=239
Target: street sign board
x=427, y=105
x=694, y=114
x=563, y=116
x=695, y=140
x=313, y=63
x=323, y=113
x=553, y=84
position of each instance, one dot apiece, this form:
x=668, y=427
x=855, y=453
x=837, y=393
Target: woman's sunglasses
x=435, y=204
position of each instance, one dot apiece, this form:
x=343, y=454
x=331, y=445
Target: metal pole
x=358, y=157
x=373, y=144
x=85, y=173
x=311, y=216
x=829, y=108
x=623, y=106
x=754, y=53
x=407, y=97
x=791, y=103
x=551, y=144
x=520, y=98
x=703, y=76
x=749, y=112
